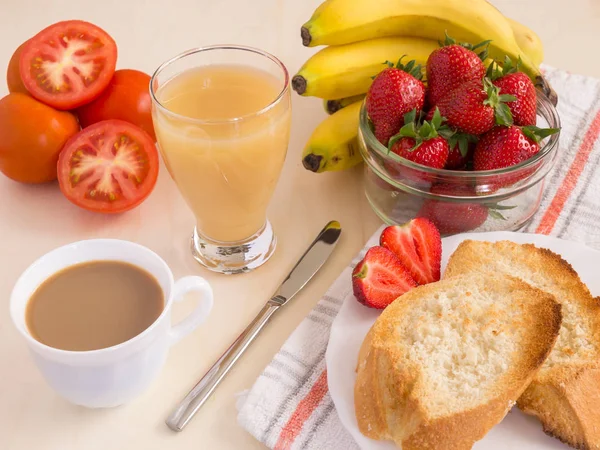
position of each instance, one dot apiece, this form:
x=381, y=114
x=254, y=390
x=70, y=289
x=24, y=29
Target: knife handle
x=194, y=400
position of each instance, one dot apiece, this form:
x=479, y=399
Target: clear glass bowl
x=457, y=201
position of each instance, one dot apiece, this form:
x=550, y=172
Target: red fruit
x=432, y=152
x=448, y=68
x=418, y=245
x=462, y=147
x=380, y=278
x=450, y=217
x=394, y=92
x=458, y=161
x=421, y=143
x=503, y=147
x=524, y=108
x=475, y=107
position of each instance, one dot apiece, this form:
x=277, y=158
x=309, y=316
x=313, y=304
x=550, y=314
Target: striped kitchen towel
x=289, y=406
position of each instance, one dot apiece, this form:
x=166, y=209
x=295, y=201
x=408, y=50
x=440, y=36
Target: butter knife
x=306, y=267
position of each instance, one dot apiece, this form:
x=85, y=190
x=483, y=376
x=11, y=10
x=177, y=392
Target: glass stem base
x=234, y=257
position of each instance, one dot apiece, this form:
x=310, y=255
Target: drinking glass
x=225, y=165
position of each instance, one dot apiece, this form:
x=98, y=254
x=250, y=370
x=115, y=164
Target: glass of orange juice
x=222, y=119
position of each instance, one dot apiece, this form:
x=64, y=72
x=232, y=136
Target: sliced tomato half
x=108, y=167
x=68, y=64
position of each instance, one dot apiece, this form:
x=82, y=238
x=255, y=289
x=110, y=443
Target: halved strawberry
x=418, y=245
x=380, y=278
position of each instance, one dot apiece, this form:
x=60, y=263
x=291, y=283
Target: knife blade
x=307, y=266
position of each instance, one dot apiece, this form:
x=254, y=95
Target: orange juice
x=223, y=139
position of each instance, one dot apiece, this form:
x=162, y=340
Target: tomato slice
x=68, y=64
x=108, y=167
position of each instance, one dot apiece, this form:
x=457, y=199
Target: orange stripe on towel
x=564, y=191
x=304, y=410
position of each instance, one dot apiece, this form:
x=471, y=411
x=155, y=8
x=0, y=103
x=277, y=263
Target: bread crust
x=391, y=392
x=565, y=395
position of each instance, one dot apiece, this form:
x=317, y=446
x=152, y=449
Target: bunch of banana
x=363, y=34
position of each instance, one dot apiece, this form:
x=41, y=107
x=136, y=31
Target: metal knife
x=306, y=267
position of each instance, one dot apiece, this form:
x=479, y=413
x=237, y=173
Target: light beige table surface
x=34, y=220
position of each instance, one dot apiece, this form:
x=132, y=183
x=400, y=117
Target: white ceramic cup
x=110, y=376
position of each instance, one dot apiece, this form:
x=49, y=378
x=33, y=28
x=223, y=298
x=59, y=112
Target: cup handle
x=199, y=314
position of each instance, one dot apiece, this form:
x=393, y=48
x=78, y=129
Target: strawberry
x=506, y=146
x=451, y=217
x=515, y=83
x=418, y=245
x=462, y=147
x=380, y=278
x=453, y=65
x=421, y=143
x=394, y=92
x=475, y=107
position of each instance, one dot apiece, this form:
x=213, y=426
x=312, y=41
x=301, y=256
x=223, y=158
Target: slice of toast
x=565, y=395
x=446, y=361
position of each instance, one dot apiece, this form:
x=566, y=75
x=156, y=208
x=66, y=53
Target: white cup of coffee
x=110, y=376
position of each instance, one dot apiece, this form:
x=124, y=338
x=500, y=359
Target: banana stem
x=542, y=85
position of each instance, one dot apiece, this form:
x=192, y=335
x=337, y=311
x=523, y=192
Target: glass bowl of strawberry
x=469, y=150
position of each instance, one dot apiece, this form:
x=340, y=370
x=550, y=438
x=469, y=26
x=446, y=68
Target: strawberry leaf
x=462, y=140
x=499, y=207
x=538, y=134
x=498, y=102
x=408, y=130
x=411, y=68
x=448, y=41
x=496, y=215
x=505, y=98
x=410, y=116
x=427, y=131
x=482, y=46
x=437, y=118
x=503, y=115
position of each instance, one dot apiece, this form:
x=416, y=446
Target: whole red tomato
x=126, y=98
x=13, y=76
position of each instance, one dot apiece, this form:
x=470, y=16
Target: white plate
x=354, y=321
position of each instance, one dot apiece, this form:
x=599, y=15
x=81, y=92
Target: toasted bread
x=446, y=361
x=565, y=395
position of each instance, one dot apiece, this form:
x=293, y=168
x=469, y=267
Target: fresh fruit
x=462, y=147
x=452, y=66
x=394, y=93
x=13, y=77
x=108, y=167
x=333, y=145
x=347, y=70
x=418, y=245
x=457, y=216
x=421, y=143
x=337, y=22
x=517, y=84
x=474, y=108
x=507, y=146
x=333, y=106
x=127, y=97
x=380, y=278
x=31, y=137
x=528, y=41
x=68, y=64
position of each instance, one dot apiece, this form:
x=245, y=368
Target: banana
x=338, y=22
x=346, y=70
x=334, y=143
x=528, y=41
